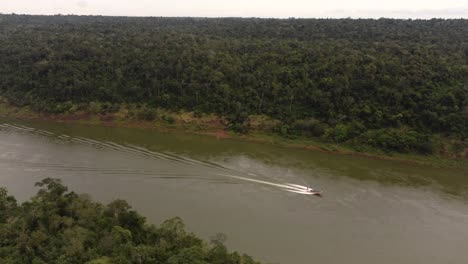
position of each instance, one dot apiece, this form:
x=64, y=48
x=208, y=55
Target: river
x=372, y=211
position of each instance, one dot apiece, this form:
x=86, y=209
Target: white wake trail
x=288, y=187
x=15, y=127
x=43, y=132
x=25, y=127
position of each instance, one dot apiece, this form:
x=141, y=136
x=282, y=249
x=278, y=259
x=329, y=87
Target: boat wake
x=294, y=188
x=137, y=150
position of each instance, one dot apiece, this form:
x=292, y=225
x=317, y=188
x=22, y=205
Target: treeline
x=58, y=226
x=377, y=81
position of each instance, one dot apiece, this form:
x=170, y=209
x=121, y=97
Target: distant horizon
x=240, y=17
x=280, y=9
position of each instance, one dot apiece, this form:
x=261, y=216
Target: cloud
x=82, y=4
x=421, y=13
x=245, y=8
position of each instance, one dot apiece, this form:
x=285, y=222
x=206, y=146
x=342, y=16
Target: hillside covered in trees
x=59, y=226
x=391, y=84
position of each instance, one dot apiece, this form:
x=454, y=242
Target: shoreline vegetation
x=210, y=125
x=61, y=226
x=388, y=87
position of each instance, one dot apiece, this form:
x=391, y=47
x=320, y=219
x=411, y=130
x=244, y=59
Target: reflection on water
x=373, y=211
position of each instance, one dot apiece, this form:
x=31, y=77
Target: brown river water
x=372, y=211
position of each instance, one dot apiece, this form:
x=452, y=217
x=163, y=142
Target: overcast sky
x=244, y=8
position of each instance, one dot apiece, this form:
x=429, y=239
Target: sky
x=244, y=8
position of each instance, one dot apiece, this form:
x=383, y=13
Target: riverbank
x=211, y=125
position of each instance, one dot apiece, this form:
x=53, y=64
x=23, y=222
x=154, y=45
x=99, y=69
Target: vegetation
x=392, y=84
x=58, y=226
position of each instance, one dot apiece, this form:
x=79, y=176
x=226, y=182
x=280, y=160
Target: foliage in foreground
x=59, y=226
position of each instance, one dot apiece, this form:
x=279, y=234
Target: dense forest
x=59, y=226
x=391, y=84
